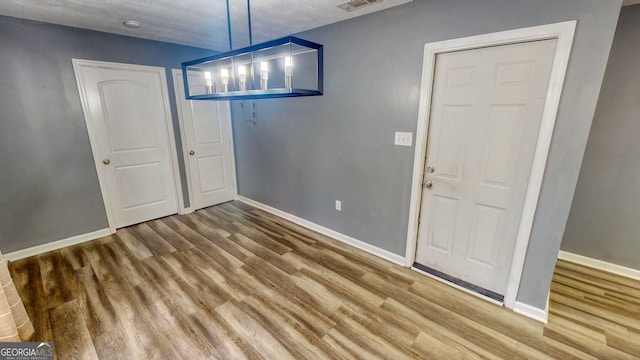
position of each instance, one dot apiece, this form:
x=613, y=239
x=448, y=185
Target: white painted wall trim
x=564, y=33
x=173, y=146
x=374, y=250
x=532, y=312
x=55, y=245
x=177, y=76
x=224, y=112
x=600, y=265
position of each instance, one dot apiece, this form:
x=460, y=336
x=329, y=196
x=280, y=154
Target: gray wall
x=304, y=153
x=604, y=222
x=48, y=183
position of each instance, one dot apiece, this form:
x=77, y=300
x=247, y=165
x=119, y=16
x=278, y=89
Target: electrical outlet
x=338, y=205
x=404, y=138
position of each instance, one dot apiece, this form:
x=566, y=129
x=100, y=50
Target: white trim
x=532, y=312
x=177, y=74
x=564, y=33
x=374, y=250
x=173, y=146
x=546, y=306
x=77, y=64
x=224, y=114
x=55, y=245
x=600, y=265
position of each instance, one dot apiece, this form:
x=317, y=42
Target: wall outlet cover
x=404, y=138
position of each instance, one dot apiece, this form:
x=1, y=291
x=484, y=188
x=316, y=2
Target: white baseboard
x=531, y=312
x=600, y=265
x=186, y=211
x=371, y=249
x=55, y=245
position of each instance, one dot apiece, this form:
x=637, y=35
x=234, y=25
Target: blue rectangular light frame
x=258, y=94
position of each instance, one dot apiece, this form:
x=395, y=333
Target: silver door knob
x=106, y=161
x=427, y=184
x=430, y=170
x=192, y=152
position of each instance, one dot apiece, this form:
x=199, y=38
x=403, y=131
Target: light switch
x=404, y=138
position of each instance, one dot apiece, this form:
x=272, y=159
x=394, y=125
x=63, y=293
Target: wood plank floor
x=594, y=311
x=233, y=282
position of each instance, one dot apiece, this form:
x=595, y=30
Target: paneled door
x=127, y=114
x=486, y=110
x=208, y=146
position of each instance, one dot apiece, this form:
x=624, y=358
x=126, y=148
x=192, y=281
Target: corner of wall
x=532, y=312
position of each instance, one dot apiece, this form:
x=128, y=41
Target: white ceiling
x=630, y=2
x=200, y=23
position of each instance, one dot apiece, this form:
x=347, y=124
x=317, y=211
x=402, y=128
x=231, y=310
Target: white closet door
x=207, y=141
x=125, y=107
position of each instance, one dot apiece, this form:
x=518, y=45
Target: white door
x=127, y=115
x=207, y=142
x=485, y=117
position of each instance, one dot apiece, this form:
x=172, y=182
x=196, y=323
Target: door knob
x=430, y=170
x=192, y=152
x=106, y=161
x=427, y=184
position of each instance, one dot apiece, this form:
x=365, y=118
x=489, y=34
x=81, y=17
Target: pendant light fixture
x=285, y=67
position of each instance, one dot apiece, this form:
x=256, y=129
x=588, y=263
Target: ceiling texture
x=199, y=23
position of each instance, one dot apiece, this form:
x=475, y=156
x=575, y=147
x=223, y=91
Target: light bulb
x=264, y=75
x=242, y=77
x=208, y=81
x=224, y=76
x=264, y=70
x=288, y=65
x=242, y=73
x=288, y=72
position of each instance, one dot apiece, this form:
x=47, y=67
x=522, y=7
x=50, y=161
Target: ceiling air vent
x=357, y=4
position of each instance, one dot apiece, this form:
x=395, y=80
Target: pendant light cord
x=249, y=20
x=229, y=24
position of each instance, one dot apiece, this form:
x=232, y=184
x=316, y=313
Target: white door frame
x=177, y=76
x=564, y=33
x=77, y=64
